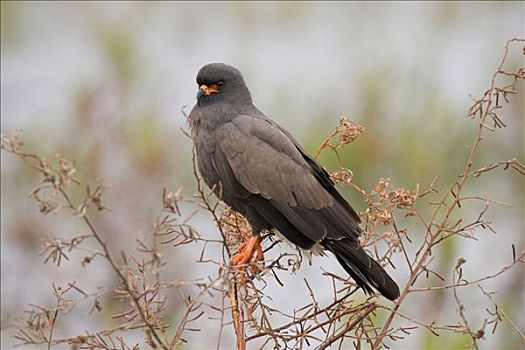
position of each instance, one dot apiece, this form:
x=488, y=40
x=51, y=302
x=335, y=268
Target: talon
x=240, y=258
x=247, y=249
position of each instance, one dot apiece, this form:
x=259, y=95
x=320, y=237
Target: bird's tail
x=363, y=269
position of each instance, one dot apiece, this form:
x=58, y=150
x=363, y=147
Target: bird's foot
x=247, y=250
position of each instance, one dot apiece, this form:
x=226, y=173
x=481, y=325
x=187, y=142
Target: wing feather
x=267, y=162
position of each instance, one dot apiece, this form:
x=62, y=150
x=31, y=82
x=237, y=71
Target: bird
x=259, y=169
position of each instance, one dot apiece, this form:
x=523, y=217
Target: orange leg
x=247, y=249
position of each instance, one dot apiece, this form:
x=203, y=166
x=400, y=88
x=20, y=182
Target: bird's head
x=220, y=82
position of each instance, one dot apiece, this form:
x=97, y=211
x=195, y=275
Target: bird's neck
x=211, y=116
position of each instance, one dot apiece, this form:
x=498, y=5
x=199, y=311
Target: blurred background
x=104, y=84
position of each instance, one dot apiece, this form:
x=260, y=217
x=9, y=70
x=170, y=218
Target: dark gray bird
x=262, y=172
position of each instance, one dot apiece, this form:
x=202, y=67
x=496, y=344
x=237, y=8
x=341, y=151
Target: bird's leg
x=247, y=249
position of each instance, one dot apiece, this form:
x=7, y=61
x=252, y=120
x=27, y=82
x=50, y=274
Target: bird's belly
x=316, y=249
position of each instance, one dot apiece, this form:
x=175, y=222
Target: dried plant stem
x=458, y=187
x=238, y=320
x=348, y=327
x=51, y=329
x=125, y=282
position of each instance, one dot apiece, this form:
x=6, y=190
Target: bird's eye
x=220, y=83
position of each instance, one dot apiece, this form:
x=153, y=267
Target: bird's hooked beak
x=205, y=90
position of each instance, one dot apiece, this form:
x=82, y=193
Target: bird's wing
x=321, y=174
x=265, y=161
